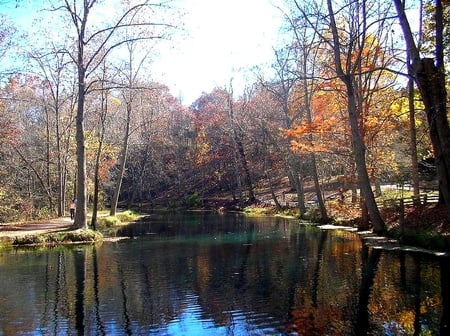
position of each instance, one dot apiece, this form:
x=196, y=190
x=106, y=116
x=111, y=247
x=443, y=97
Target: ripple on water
x=192, y=320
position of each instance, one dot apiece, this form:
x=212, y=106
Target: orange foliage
x=327, y=132
x=328, y=129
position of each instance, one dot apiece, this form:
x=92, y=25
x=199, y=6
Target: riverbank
x=19, y=229
x=424, y=226
x=54, y=231
x=61, y=231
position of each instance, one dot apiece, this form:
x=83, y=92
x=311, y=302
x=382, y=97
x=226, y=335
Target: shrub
x=127, y=216
x=193, y=200
x=77, y=236
x=107, y=222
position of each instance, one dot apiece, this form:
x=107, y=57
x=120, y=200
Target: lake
x=200, y=273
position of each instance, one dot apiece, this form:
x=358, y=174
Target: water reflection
x=204, y=274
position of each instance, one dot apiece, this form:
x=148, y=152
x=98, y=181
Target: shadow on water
x=445, y=292
x=206, y=274
x=79, y=263
x=370, y=261
x=96, y=287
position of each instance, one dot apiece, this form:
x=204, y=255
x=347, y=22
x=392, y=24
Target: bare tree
x=131, y=86
x=58, y=102
x=93, y=45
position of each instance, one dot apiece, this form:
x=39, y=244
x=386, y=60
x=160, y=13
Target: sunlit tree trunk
x=81, y=186
x=101, y=136
x=357, y=138
x=122, y=161
x=413, y=139
x=237, y=172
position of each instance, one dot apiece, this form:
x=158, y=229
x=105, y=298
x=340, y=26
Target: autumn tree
x=260, y=114
x=282, y=88
x=346, y=32
x=215, y=149
x=160, y=147
x=305, y=54
x=28, y=154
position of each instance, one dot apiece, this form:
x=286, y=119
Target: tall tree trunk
x=81, y=186
x=431, y=84
x=47, y=158
x=357, y=139
x=323, y=210
x=122, y=162
x=96, y=177
x=59, y=166
x=101, y=136
x=413, y=139
x=430, y=79
x=360, y=160
x=267, y=171
x=315, y=175
x=235, y=148
x=248, y=176
x=137, y=187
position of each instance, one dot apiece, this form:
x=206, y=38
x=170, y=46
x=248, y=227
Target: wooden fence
x=410, y=201
x=386, y=203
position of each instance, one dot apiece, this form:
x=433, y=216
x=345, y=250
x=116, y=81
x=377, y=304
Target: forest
x=355, y=99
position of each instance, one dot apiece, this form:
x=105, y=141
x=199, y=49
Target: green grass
x=76, y=236
x=120, y=218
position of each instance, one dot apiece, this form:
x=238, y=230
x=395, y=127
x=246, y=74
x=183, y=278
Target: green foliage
x=111, y=221
x=313, y=214
x=258, y=211
x=45, y=213
x=268, y=211
x=193, y=200
x=107, y=222
x=127, y=216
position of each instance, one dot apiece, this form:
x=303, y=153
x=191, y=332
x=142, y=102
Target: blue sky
x=223, y=41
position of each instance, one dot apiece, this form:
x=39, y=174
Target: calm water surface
x=206, y=274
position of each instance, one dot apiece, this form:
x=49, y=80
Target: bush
x=193, y=200
x=111, y=221
x=107, y=222
x=77, y=236
x=127, y=216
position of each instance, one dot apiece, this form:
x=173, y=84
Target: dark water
x=204, y=274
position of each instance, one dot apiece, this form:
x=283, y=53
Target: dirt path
x=11, y=230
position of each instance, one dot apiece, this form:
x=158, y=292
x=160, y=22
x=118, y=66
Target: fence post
x=425, y=199
x=416, y=200
x=401, y=217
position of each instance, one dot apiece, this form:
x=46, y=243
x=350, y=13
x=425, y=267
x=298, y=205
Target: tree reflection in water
x=220, y=275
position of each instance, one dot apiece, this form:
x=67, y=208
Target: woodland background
x=81, y=117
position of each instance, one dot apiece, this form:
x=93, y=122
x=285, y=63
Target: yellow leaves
x=115, y=100
x=203, y=148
